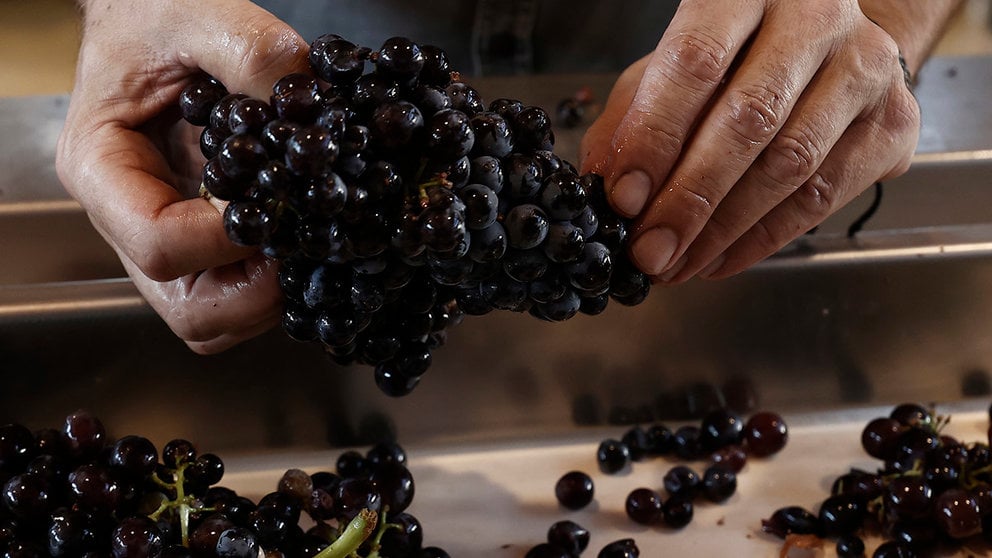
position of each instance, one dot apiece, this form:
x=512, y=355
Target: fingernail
x=653, y=249
x=630, y=192
x=713, y=267
x=674, y=270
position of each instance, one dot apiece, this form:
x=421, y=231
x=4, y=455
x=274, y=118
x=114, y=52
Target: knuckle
x=149, y=255
x=757, y=112
x=793, y=156
x=697, y=200
x=701, y=54
x=817, y=198
x=267, y=46
x=656, y=131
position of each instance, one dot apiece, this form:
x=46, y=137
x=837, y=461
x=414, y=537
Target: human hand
x=135, y=166
x=749, y=124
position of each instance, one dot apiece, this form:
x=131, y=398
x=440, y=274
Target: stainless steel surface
x=898, y=312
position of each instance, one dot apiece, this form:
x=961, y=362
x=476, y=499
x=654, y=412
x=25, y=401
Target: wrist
x=914, y=25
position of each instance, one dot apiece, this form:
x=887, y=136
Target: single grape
x=791, y=520
x=677, y=512
x=623, y=548
x=718, y=483
x=644, y=506
x=612, y=456
x=136, y=537
x=569, y=536
x=765, y=434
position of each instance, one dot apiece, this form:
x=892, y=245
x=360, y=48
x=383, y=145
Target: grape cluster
x=931, y=491
x=723, y=438
x=398, y=202
x=73, y=491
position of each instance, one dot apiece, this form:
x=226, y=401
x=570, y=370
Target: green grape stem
x=182, y=504
x=360, y=528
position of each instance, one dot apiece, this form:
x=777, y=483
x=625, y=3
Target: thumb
x=242, y=45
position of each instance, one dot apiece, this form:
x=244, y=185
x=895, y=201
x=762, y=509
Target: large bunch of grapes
x=397, y=202
x=74, y=491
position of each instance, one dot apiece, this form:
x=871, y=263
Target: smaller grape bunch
x=74, y=491
x=397, y=202
x=931, y=492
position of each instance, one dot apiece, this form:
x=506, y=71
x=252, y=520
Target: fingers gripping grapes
x=715, y=140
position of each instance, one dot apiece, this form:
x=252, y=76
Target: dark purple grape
x=507, y=108
x=203, y=539
x=487, y=171
x=311, y=151
x=677, y=512
x=574, y=490
x=17, y=447
x=433, y=552
x=958, y=514
x=373, y=90
x=623, y=548
x=70, y=533
x=27, y=496
x=526, y=226
x=493, y=135
x=355, y=494
x=205, y=470
x=719, y=428
x=178, y=452
x=221, y=112
x=394, y=484
x=612, y=456
x=681, y=480
x=880, y=436
x=908, y=498
x=568, y=536
x=94, y=488
x=718, y=483
x=396, y=124
x=532, y=130
x=523, y=176
x=406, y=540
x=563, y=197
x=791, y=520
x=465, y=98
x=912, y=414
x=430, y=99
x=85, y=434
x=296, y=98
x=546, y=550
x=237, y=542
x=351, y=464
x=564, y=243
x=249, y=116
x=591, y=271
x=644, y=506
x=850, y=546
x=436, y=69
x=894, y=549
x=135, y=456
x=449, y=135
x=765, y=434
x=384, y=453
x=731, y=457
x=241, y=156
x=337, y=61
x=400, y=59
x=198, y=98
x=842, y=514
x=211, y=140
x=136, y=537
